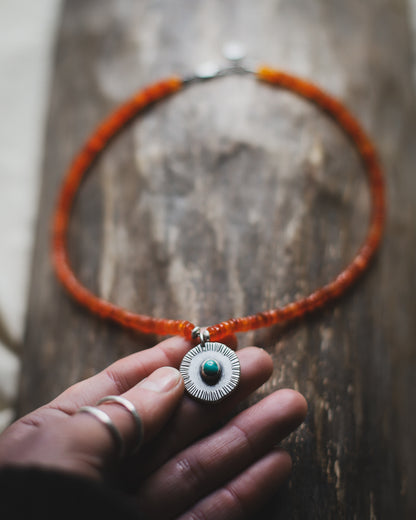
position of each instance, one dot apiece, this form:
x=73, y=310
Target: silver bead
x=207, y=70
x=196, y=331
x=234, y=51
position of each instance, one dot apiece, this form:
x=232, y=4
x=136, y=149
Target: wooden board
x=233, y=197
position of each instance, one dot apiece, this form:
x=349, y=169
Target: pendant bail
x=202, y=334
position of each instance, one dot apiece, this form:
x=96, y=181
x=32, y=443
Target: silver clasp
x=234, y=52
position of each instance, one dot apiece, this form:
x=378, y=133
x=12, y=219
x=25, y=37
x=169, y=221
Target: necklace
x=211, y=370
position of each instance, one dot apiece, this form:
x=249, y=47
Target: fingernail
x=162, y=380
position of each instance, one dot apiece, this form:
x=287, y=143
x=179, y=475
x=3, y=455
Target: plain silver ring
x=108, y=423
x=129, y=406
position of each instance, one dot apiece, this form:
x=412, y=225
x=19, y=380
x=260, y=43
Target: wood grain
x=233, y=197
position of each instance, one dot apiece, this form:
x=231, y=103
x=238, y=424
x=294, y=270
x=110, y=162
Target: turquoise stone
x=211, y=368
x=210, y=371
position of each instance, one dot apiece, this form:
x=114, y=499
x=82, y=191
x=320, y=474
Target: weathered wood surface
x=233, y=197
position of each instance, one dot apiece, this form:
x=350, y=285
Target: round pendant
x=210, y=371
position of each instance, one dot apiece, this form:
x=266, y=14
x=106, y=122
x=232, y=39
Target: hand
x=200, y=472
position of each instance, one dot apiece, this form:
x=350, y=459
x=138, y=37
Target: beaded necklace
x=211, y=370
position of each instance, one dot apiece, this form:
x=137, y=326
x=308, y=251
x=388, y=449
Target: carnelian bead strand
x=360, y=263
x=297, y=309
x=79, y=167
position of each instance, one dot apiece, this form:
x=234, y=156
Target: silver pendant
x=210, y=371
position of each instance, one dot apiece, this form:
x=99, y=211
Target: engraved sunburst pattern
x=191, y=372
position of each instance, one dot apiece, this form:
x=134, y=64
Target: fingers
x=155, y=398
x=219, y=458
x=126, y=373
x=247, y=492
x=155, y=406
x=89, y=439
x=122, y=375
x=193, y=419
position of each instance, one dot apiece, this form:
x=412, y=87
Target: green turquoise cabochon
x=210, y=371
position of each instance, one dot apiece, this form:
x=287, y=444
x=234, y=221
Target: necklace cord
x=294, y=310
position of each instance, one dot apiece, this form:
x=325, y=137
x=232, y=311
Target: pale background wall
x=27, y=32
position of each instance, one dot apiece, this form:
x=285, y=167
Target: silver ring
x=108, y=423
x=129, y=406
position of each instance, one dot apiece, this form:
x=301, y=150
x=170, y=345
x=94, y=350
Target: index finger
x=125, y=373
